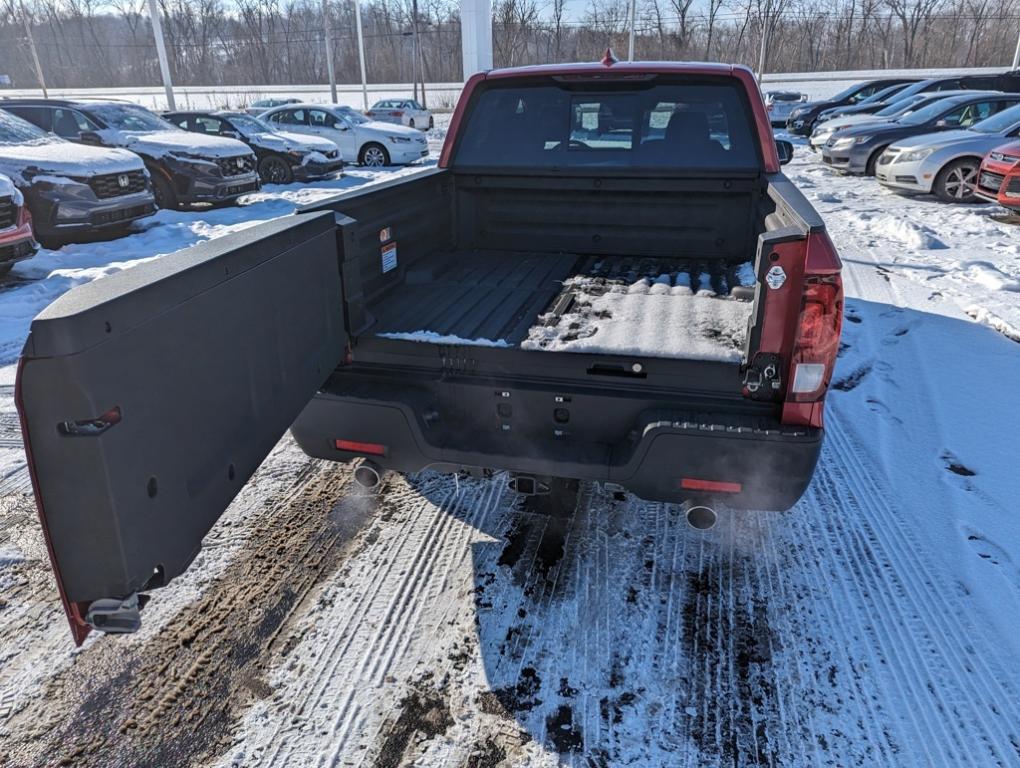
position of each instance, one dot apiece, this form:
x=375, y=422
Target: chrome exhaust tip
x=368, y=475
x=701, y=518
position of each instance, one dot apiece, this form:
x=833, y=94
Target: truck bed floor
x=567, y=302
x=474, y=294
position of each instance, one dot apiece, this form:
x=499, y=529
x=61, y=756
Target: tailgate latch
x=762, y=380
x=115, y=616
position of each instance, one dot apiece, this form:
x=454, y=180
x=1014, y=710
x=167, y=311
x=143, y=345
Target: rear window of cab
x=656, y=125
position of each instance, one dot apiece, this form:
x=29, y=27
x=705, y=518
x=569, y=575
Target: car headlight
x=843, y=143
x=915, y=156
x=399, y=139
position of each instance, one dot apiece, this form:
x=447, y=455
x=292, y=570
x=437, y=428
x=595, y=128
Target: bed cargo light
x=368, y=449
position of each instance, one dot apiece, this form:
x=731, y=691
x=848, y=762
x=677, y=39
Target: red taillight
x=396, y=114
x=817, y=342
x=712, y=486
x=370, y=114
x=368, y=449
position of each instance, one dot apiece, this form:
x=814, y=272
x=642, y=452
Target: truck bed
x=687, y=308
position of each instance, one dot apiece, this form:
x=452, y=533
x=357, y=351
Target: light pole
x=164, y=65
x=328, y=34
x=633, y=13
x=35, y=53
x=361, y=52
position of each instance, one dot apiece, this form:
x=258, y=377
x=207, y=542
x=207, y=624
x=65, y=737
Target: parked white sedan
x=360, y=140
x=402, y=112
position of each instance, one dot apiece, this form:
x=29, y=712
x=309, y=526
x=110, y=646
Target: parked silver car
x=401, y=112
x=946, y=163
x=780, y=104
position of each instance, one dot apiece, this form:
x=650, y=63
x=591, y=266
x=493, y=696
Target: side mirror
x=89, y=137
x=785, y=151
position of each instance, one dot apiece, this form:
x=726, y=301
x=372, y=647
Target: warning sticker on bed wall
x=389, y=257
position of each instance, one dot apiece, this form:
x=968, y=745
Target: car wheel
x=956, y=182
x=374, y=156
x=275, y=170
x=410, y=123
x=869, y=167
x=432, y=123
x=164, y=192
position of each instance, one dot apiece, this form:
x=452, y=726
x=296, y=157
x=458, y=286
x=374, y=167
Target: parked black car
x=856, y=150
x=1005, y=82
x=73, y=191
x=282, y=157
x=186, y=168
x=802, y=119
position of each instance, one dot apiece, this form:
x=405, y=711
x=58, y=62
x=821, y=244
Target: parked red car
x=16, y=239
x=999, y=176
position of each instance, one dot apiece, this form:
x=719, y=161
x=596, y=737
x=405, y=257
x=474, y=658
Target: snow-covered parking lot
x=450, y=624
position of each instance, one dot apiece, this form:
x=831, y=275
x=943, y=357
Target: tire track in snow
x=927, y=604
x=166, y=701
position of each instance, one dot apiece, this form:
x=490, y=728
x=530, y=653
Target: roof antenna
x=609, y=58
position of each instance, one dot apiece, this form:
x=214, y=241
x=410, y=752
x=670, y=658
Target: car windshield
x=901, y=107
x=355, y=117
x=1000, y=122
x=126, y=117
x=248, y=125
x=882, y=94
x=14, y=130
x=931, y=112
x=847, y=93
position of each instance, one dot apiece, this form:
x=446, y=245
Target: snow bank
x=907, y=232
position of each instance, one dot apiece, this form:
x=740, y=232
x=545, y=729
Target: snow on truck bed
x=567, y=303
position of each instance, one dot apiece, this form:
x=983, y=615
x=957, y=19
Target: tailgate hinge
x=116, y=616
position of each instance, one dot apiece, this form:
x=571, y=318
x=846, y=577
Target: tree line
x=107, y=43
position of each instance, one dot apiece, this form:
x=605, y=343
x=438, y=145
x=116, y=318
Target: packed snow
x=657, y=317
x=446, y=622
x=431, y=337
x=160, y=143
x=7, y=189
x=58, y=159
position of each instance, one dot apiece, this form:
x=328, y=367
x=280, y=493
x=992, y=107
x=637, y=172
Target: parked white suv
x=360, y=140
x=402, y=112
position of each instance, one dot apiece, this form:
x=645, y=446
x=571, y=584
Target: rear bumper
x=772, y=463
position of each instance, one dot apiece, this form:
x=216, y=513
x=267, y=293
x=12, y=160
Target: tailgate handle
x=636, y=371
x=90, y=427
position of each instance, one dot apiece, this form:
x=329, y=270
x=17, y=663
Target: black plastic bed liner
x=474, y=294
x=501, y=295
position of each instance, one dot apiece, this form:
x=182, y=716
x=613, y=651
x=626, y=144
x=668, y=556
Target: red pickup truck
x=607, y=278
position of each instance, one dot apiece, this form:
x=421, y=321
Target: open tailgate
x=148, y=398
